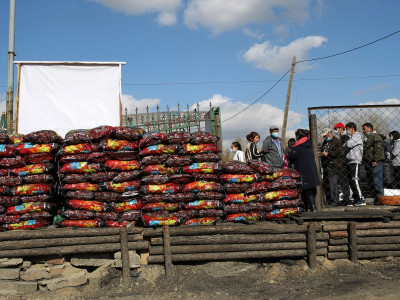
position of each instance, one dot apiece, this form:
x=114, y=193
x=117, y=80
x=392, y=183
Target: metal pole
x=10, y=73
x=285, y=116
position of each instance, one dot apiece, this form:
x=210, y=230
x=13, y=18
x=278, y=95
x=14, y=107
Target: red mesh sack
x=73, y=214
x=32, y=169
x=288, y=203
x=207, y=167
x=84, y=195
x=7, y=151
x=239, y=198
x=180, y=197
x=159, y=170
x=109, y=215
x=236, y=167
x=28, y=207
x=26, y=225
x=12, y=162
x=181, y=178
x=201, y=149
x=32, y=189
x=29, y=148
x=283, y=174
x=203, y=186
x=4, y=138
x=10, y=180
x=179, y=137
x=238, y=178
x=154, y=221
x=101, y=132
x=107, y=197
x=161, y=188
x=72, y=178
x=79, y=136
x=37, y=198
x=128, y=133
x=282, y=213
x=206, y=177
x=151, y=198
x=204, y=139
x=42, y=178
x=204, y=204
x=201, y=221
x=2, y=210
x=82, y=223
x=236, y=188
x=159, y=149
x=111, y=223
x=134, y=204
x=16, y=138
x=154, y=179
x=209, y=196
x=5, y=190
x=10, y=219
x=132, y=215
x=80, y=168
x=259, y=187
x=79, y=149
x=280, y=195
x=8, y=201
x=178, y=161
x=209, y=212
x=118, y=145
x=207, y=157
x=42, y=137
x=155, y=159
x=161, y=206
x=88, y=205
x=121, y=187
x=97, y=157
x=127, y=176
x=123, y=155
x=152, y=138
x=248, y=207
x=82, y=186
x=36, y=215
x=122, y=165
x=74, y=158
x=39, y=158
x=245, y=217
x=260, y=166
x=284, y=184
x=101, y=176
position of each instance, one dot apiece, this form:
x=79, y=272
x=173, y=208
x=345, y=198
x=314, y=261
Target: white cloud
x=278, y=59
x=131, y=103
x=224, y=15
x=373, y=88
x=253, y=34
x=260, y=117
x=167, y=9
x=385, y=102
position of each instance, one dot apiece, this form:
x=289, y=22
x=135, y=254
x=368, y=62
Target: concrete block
x=10, y=262
x=8, y=287
x=70, y=277
x=102, y=275
x=26, y=264
x=90, y=262
x=9, y=273
x=41, y=271
x=134, y=260
x=26, y=287
x=56, y=261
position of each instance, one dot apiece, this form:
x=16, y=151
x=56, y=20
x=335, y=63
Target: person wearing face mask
x=374, y=156
x=332, y=156
x=272, y=149
x=395, y=141
x=238, y=153
x=340, y=130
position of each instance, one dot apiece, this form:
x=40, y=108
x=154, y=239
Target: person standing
x=374, y=156
x=289, y=148
x=236, y=148
x=272, y=149
x=251, y=151
x=354, y=155
x=340, y=130
x=395, y=140
x=332, y=164
x=302, y=158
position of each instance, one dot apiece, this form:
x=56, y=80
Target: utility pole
x=285, y=116
x=10, y=73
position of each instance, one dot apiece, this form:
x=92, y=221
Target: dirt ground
x=339, y=279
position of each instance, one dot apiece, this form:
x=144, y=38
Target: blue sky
x=196, y=41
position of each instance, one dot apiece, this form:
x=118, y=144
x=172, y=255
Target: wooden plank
x=343, y=241
x=338, y=248
x=338, y=255
x=64, y=250
x=380, y=247
x=340, y=226
x=353, y=252
x=376, y=254
x=337, y=234
x=126, y=266
x=49, y=233
x=311, y=246
x=167, y=251
x=379, y=232
x=378, y=240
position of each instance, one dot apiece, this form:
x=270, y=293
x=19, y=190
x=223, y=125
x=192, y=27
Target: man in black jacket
x=343, y=176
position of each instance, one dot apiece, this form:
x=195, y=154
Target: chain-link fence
x=352, y=168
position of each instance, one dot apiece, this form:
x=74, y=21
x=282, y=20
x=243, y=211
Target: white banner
x=63, y=97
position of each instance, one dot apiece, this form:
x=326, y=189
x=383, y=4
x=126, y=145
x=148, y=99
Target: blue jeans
x=377, y=177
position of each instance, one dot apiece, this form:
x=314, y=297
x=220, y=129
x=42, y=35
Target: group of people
x=342, y=153
x=297, y=155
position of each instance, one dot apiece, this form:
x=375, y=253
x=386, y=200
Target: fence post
x=314, y=139
x=311, y=245
x=352, y=236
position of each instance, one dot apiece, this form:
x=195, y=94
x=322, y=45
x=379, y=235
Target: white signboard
x=62, y=96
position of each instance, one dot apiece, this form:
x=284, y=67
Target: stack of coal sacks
x=178, y=173
x=99, y=174
x=242, y=193
x=27, y=181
